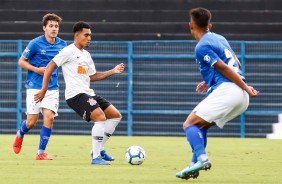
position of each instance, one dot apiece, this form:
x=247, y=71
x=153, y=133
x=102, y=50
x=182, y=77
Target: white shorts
x=225, y=103
x=50, y=101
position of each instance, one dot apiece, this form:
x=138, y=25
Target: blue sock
x=194, y=159
x=23, y=129
x=45, y=134
x=196, y=140
x=204, y=133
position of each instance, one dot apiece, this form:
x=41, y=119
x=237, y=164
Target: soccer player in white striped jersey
x=226, y=89
x=79, y=70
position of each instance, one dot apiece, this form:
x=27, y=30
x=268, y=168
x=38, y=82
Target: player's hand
x=252, y=92
x=202, y=87
x=39, y=96
x=119, y=68
x=41, y=70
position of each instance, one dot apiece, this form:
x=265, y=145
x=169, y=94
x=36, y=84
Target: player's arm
x=202, y=87
x=118, y=69
x=237, y=60
x=23, y=62
x=47, y=75
x=230, y=74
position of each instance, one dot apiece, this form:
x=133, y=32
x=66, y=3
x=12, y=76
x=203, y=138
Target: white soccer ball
x=135, y=155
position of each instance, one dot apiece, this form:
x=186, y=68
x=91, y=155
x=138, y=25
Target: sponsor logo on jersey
x=43, y=51
x=82, y=69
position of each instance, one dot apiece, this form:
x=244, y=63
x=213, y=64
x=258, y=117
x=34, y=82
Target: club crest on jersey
x=30, y=83
x=207, y=58
x=92, y=102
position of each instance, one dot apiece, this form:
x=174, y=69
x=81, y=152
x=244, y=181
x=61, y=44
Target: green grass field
x=235, y=161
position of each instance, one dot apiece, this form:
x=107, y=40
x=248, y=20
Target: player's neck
x=51, y=40
x=200, y=34
x=80, y=47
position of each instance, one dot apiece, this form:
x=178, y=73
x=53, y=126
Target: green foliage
x=252, y=161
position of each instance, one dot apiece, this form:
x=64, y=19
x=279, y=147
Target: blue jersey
x=39, y=53
x=211, y=48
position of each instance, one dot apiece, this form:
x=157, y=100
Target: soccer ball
x=135, y=155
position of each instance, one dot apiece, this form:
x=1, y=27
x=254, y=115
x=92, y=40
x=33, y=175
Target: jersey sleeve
x=207, y=55
x=30, y=50
x=92, y=69
x=62, y=57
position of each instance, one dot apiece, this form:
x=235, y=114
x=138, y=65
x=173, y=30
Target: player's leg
x=194, y=157
x=195, y=135
x=113, y=118
x=49, y=108
x=45, y=134
x=98, y=130
x=88, y=108
x=196, y=140
x=25, y=126
x=204, y=133
x=32, y=111
x=210, y=109
x=224, y=104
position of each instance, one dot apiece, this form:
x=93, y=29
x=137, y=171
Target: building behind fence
x=157, y=90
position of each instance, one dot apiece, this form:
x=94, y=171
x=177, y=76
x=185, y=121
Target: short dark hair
x=77, y=27
x=201, y=16
x=51, y=16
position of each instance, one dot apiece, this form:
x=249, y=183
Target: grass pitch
x=235, y=161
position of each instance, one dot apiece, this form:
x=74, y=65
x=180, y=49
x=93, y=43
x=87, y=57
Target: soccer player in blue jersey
x=38, y=53
x=225, y=87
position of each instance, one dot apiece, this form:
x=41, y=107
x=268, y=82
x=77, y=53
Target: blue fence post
x=242, y=116
x=19, y=86
x=130, y=89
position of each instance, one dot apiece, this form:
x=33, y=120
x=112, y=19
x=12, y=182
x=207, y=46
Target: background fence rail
x=157, y=91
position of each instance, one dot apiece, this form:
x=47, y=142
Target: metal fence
x=157, y=91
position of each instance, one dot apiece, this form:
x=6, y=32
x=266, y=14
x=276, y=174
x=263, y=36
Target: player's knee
x=98, y=117
x=119, y=116
x=185, y=125
x=31, y=124
x=114, y=115
x=48, y=121
x=117, y=119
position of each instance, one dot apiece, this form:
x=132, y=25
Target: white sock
x=191, y=164
x=97, y=137
x=109, y=130
x=203, y=157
